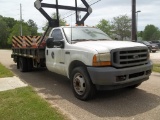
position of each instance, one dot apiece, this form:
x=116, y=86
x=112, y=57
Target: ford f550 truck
x=89, y=58
x=86, y=55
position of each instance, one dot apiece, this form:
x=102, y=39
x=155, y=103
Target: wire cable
x=75, y=13
x=71, y=12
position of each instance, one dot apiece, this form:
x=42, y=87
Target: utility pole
x=21, y=29
x=134, y=33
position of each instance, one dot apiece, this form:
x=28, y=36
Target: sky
x=104, y=9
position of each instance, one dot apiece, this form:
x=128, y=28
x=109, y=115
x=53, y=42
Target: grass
x=4, y=72
x=156, y=68
x=25, y=104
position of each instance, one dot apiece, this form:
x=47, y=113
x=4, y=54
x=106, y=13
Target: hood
x=107, y=46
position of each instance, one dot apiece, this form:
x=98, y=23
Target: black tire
x=23, y=64
x=29, y=64
x=82, y=86
x=18, y=63
x=134, y=86
x=153, y=51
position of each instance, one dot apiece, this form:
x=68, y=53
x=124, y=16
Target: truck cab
x=66, y=44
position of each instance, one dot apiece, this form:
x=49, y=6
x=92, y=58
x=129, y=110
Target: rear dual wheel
x=25, y=64
x=29, y=64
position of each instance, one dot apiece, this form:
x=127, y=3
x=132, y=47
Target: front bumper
x=110, y=76
x=154, y=49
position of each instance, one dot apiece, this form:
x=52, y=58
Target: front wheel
x=82, y=86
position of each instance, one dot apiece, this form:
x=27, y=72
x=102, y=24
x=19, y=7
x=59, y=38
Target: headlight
x=102, y=59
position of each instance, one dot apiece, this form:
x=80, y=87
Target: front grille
x=129, y=57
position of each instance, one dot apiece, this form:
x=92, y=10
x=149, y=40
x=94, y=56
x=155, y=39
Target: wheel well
x=75, y=64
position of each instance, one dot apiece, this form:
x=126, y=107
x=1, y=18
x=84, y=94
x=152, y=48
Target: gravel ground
x=155, y=57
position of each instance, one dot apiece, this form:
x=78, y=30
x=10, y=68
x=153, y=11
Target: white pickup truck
x=90, y=59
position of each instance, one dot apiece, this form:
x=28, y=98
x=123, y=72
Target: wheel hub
x=79, y=84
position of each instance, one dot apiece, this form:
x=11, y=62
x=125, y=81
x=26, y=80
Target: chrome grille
x=129, y=56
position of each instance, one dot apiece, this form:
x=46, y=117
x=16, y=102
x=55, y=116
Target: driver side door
x=56, y=59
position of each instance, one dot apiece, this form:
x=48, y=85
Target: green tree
x=4, y=32
x=16, y=31
x=105, y=26
x=140, y=34
x=151, y=33
x=122, y=26
x=10, y=27
x=33, y=27
x=10, y=22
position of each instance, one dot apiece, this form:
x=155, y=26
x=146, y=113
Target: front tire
x=82, y=86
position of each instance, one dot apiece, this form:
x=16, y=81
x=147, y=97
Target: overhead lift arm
x=55, y=22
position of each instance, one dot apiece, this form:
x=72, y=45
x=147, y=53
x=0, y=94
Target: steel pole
x=134, y=33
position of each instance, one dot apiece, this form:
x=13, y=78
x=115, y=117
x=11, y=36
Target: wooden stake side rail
x=34, y=53
x=25, y=41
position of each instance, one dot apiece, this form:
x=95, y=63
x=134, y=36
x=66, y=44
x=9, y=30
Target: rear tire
x=23, y=64
x=82, y=86
x=29, y=64
x=18, y=63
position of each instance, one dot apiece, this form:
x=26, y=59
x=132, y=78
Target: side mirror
x=58, y=44
x=49, y=42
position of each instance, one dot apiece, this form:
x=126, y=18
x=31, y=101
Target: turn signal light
x=100, y=63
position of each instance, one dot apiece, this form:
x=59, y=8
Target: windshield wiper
x=104, y=39
x=80, y=40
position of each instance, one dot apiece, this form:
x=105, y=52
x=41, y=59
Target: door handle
x=47, y=52
x=52, y=54
x=67, y=52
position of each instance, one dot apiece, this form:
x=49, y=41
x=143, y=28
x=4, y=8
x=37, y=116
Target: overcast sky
x=105, y=9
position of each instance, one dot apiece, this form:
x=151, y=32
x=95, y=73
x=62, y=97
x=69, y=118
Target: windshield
x=84, y=34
